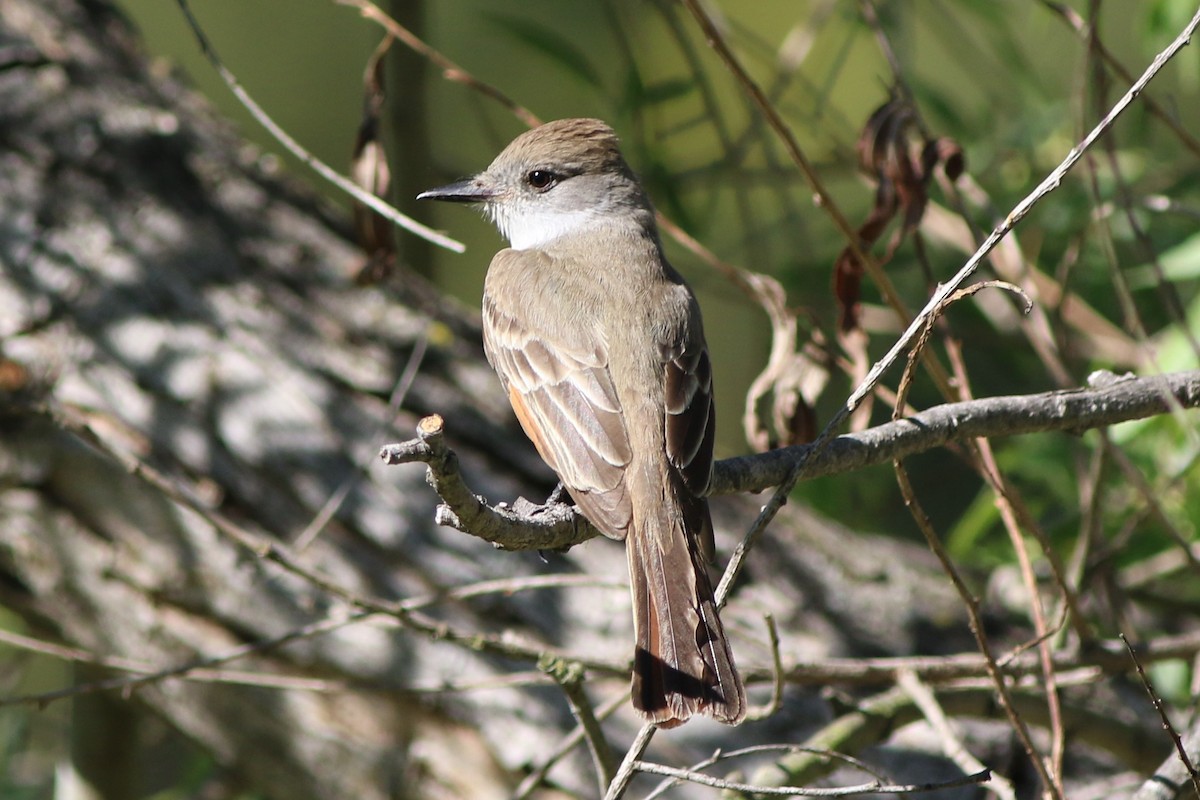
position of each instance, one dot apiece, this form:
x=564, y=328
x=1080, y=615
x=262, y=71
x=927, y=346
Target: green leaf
x=551, y=44
x=1180, y=263
x=964, y=538
x=667, y=90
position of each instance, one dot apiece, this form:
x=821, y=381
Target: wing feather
x=691, y=423
x=566, y=402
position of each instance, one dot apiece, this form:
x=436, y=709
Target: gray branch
x=1110, y=399
x=524, y=526
x=529, y=526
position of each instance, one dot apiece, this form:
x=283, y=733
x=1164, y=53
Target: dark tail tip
x=668, y=696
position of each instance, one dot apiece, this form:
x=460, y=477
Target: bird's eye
x=541, y=179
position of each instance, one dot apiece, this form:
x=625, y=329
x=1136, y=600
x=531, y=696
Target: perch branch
x=526, y=526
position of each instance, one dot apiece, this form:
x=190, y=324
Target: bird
x=599, y=344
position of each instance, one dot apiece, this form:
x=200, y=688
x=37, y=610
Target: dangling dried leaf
x=369, y=169
x=893, y=152
x=796, y=393
x=792, y=379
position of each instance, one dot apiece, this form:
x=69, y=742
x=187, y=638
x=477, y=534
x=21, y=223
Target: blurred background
x=1112, y=257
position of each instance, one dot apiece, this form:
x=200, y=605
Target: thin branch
x=569, y=676
x=1112, y=399
x=1180, y=749
x=201, y=669
x=308, y=159
x=1104, y=655
x=450, y=70
x=715, y=40
x=1006, y=502
x=1152, y=498
x=805, y=791
x=798, y=468
x=77, y=423
x=1049, y=184
x=534, y=779
x=525, y=526
x=719, y=756
x=971, y=603
x=1077, y=23
x=1049, y=779
x=777, y=681
x=952, y=745
x=1167, y=781
x=628, y=767
x=338, y=497
x=1108, y=656
x=872, y=720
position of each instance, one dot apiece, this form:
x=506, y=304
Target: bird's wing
x=691, y=418
x=565, y=401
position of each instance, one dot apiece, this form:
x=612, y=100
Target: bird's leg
x=559, y=495
x=528, y=508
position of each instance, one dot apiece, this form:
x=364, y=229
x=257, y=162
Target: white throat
x=531, y=229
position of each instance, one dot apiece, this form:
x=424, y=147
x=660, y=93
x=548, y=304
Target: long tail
x=682, y=662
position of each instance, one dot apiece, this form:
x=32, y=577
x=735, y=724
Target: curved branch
x=558, y=526
x=524, y=526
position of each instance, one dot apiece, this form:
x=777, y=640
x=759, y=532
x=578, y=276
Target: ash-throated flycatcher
x=599, y=344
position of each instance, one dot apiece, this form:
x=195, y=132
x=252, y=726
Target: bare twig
x=1105, y=655
x=720, y=756
x=781, y=129
x=403, y=384
x=777, y=669
x=450, y=70
x=534, y=779
x=804, y=791
x=524, y=527
x=797, y=468
x=1006, y=504
x=1180, y=748
x=951, y=743
x=77, y=423
x=1072, y=18
x=970, y=601
x=201, y=669
x=296, y=149
x=569, y=676
x=1112, y=400
x=1152, y=498
x=1168, y=780
x=873, y=719
x=1171, y=301
x=628, y=767
x=1049, y=184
